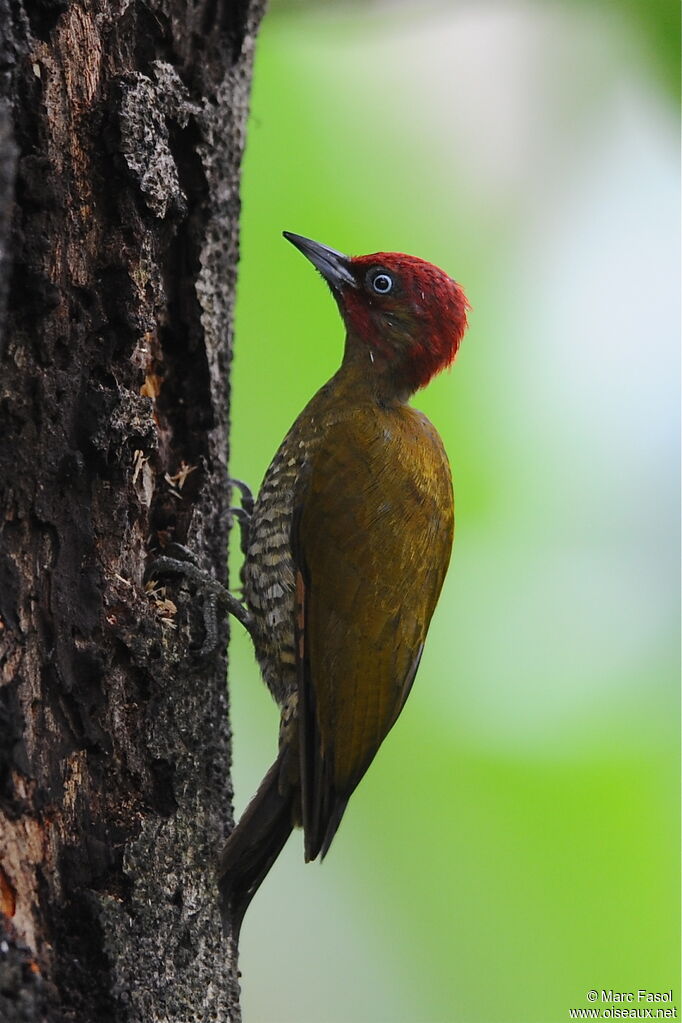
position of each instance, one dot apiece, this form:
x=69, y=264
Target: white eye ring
x=382, y=283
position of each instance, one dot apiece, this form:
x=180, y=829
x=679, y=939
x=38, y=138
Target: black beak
x=333, y=265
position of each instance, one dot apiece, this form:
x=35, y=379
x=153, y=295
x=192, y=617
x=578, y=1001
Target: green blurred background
x=515, y=843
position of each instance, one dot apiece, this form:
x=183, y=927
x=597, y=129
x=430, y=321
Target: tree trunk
x=121, y=135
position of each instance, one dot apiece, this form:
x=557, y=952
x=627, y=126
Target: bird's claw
x=211, y=590
x=244, y=520
x=243, y=516
x=178, y=552
x=246, y=494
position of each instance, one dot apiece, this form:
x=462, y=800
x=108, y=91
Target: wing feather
x=372, y=533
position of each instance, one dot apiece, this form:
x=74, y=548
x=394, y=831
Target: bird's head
x=408, y=315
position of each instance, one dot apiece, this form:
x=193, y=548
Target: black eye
x=382, y=283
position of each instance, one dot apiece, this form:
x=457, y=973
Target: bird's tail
x=254, y=845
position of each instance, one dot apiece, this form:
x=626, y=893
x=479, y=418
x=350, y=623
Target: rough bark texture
x=121, y=134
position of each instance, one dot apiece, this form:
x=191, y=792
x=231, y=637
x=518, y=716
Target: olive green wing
x=372, y=534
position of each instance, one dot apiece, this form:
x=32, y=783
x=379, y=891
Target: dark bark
x=121, y=134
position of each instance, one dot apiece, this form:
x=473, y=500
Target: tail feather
x=253, y=846
x=337, y=812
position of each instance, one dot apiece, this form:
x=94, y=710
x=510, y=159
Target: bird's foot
x=243, y=513
x=246, y=493
x=180, y=560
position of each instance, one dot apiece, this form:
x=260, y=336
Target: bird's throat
x=372, y=373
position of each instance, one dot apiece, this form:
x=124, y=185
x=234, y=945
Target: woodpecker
x=346, y=552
